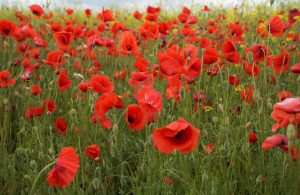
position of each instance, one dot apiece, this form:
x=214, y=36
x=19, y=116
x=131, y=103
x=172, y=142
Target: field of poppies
x=203, y=101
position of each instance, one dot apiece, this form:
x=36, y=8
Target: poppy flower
x=128, y=43
x=65, y=169
x=150, y=101
x=286, y=112
x=63, y=81
x=296, y=68
x=69, y=11
x=61, y=125
x=55, y=58
x=106, y=15
x=88, y=12
x=284, y=94
x=190, y=51
x=138, y=15
x=139, y=79
x=210, y=55
x=36, y=10
x=170, y=64
x=93, y=151
x=235, y=30
x=292, y=14
x=141, y=64
x=63, y=39
x=230, y=51
x=280, y=62
x=34, y=112
x=103, y=104
x=101, y=83
x=234, y=80
x=275, y=26
x=252, y=137
x=50, y=105
x=251, y=69
x=278, y=140
x=259, y=52
x=135, y=117
x=5, y=79
x=35, y=89
x=199, y=96
x=174, y=87
x=209, y=148
x=179, y=135
x=246, y=94
x=8, y=28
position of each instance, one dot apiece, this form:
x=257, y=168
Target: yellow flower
x=239, y=88
x=208, y=108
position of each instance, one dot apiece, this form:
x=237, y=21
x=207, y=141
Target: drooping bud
x=291, y=134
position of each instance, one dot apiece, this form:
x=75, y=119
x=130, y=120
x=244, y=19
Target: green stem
x=36, y=179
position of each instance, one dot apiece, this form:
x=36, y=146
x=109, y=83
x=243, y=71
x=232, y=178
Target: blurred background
x=134, y=4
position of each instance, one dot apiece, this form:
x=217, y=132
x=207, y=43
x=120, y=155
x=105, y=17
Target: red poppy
x=150, y=101
x=252, y=137
x=104, y=104
x=151, y=9
x=173, y=88
x=247, y=94
x=251, y=69
x=230, y=51
x=61, y=125
x=280, y=62
x=36, y=10
x=138, y=15
x=33, y=112
x=209, y=148
x=63, y=81
x=284, y=94
x=50, y=105
x=199, y=96
x=93, y=151
x=135, y=117
x=55, y=58
x=66, y=166
x=63, y=39
x=234, y=80
x=106, y=15
x=259, y=52
x=206, y=8
x=170, y=63
x=35, y=89
x=275, y=26
x=286, y=112
x=292, y=14
x=179, y=135
x=210, y=55
x=69, y=11
x=190, y=51
x=101, y=83
x=141, y=64
x=88, y=12
x=128, y=43
x=235, y=30
x=296, y=68
x=8, y=28
x=5, y=79
x=278, y=140
x=139, y=79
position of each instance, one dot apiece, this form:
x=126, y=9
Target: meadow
x=200, y=101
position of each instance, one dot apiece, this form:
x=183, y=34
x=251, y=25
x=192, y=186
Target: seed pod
x=291, y=134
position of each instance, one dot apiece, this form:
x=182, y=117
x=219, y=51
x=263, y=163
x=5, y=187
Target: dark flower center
x=6, y=31
x=128, y=47
x=130, y=119
x=35, y=12
x=179, y=134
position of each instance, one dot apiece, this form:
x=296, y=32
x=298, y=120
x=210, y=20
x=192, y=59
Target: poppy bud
x=215, y=119
x=72, y=112
x=247, y=125
x=5, y=101
x=41, y=156
x=20, y=152
x=33, y=165
x=96, y=183
x=98, y=171
x=269, y=104
x=87, y=166
x=78, y=76
x=291, y=134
